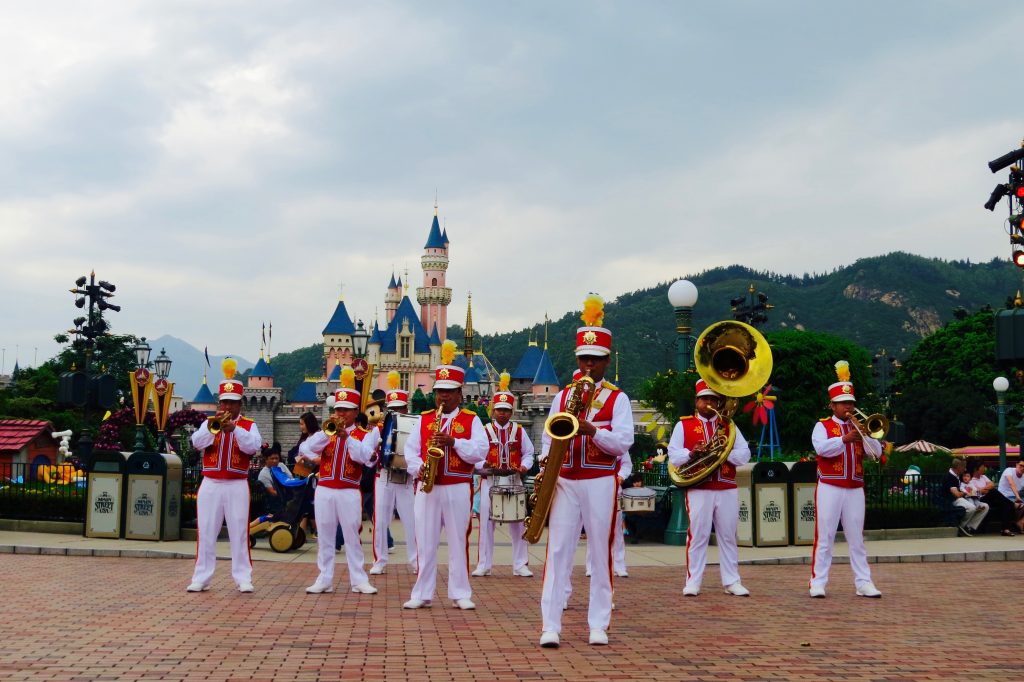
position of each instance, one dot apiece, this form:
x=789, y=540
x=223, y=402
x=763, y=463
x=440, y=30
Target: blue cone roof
x=335, y=373
x=204, y=396
x=340, y=322
x=375, y=334
x=391, y=284
x=435, y=338
x=305, y=393
x=545, y=371
x=436, y=239
x=262, y=369
x=528, y=364
x=389, y=337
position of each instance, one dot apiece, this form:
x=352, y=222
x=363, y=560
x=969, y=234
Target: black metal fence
x=41, y=492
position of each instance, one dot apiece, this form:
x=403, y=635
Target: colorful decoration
x=348, y=377
x=593, y=311
x=763, y=407
x=447, y=352
x=760, y=405
x=843, y=370
x=503, y=381
x=230, y=367
x=394, y=379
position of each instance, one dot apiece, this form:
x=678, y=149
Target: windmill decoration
x=763, y=407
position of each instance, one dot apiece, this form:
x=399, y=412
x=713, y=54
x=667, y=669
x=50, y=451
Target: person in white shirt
x=1011, y=486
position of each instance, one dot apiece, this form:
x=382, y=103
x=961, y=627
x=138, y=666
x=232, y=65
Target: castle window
x=405, y=347
x=433, y=282
x=406, y=383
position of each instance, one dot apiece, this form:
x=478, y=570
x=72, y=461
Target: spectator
x=951, y=489
x=1010, y=486
x=971, y=494
x=275, y=505
x=307, y=425
x=999, y=505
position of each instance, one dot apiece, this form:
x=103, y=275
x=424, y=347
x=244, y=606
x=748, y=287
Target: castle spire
x=468, y=339
x=545, y=330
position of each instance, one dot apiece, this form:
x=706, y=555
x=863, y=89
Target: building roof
x=389, y=337
x=204, y=396
x=375, y=334
x=435, y=338
x=392, y=284
x=305, y=393
x=17, y=433
x=472, y=372
x=262, y=369
x=528, y=364
x=340, y=322
x=335, y=373
x=435, y=240
x=545, y=371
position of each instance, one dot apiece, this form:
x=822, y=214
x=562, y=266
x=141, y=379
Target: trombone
x=870, y=426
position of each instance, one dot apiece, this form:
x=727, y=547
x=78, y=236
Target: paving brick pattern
x=99, y=618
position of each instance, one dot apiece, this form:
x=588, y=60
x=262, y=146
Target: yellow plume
x=447, y=352
x=348, y=377
x=229, y=366
x=593, y=311
x=394, y=379
x=503, y=381
x=843, y=370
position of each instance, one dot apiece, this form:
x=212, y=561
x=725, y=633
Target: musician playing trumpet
x=712, y=501
x=460, y=436
x=841, y=443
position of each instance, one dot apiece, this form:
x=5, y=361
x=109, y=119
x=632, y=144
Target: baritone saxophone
x=561, y=427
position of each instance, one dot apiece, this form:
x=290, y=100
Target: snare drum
x=508, y=503
x=504, y=479
x=637, y=500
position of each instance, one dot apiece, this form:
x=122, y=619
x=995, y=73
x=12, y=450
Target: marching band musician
x=713, y=500
x=587, y=487
x=223, y=496
x=338, y=500
x=841, y=447
x=509, y=449
x=388, y=495
x=460, y=434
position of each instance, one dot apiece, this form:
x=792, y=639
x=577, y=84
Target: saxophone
x=434, y=456
x=561, y=427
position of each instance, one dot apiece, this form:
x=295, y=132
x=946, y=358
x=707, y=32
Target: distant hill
x=188, y=363
x=890, y=302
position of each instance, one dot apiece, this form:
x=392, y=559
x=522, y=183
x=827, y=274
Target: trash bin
x=771, y=495
x=153, y=511
x=104, y=503
x=803, y=481
x=744, y=493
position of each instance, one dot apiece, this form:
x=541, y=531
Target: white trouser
x=335, y=507
x=386, y=498
x=832, y=505
x=449, y=505
x=618, y=551
x=222, y=501
x=704, y=507
x=592, y=503
x=976, y=512
x=485, y=547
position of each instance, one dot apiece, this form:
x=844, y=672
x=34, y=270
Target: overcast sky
x=227, y=163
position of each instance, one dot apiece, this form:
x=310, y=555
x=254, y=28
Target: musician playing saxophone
x=713, y=500
x=840, y=446
x=460, y=435
x=587, y=486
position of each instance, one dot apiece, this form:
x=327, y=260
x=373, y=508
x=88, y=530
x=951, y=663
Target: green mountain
x=890, y=302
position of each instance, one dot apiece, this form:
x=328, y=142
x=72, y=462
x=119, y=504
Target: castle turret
x=392, y=298
x=434, y=296
x=261, y=376
x=338, y=339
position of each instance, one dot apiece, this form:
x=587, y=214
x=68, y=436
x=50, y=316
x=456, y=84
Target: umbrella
x=922, y=446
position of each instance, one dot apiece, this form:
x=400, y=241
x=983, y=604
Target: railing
x=894, y=501
x=41, y=492
x=192, y=477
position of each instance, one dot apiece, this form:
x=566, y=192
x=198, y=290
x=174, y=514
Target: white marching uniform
x=498, y=437
x=387, y=497
x=839, y=497
x=589, y=503
x=449, y=504
x=619, y=541
x=223, y=499
x=714, y=502
x=339, y=506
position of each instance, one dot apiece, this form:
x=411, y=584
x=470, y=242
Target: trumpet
x=215, y=423
x=434, y=456
x=331, y=427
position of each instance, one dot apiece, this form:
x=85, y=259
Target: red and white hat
x=593, y=339
x=702, y=390
x=447, y=375
x=231, y=388
x=503, y=400
x=347, y=397
x=841, y=391
x=397, y=398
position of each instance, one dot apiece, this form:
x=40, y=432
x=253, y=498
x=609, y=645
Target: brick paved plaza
x=96, y=618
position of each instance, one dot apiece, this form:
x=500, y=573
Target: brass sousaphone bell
x=734, y=360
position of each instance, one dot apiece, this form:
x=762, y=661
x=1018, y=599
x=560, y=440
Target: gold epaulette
x=686, y=416
x=424, y=413
x=466, y=410
x=609, y=385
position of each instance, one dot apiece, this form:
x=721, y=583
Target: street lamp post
x=162, y=365
x=683, y=296
x=360, y=337
x=1000, y=384
x=142, y=351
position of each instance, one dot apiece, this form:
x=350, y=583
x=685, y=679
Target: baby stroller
x=283, y=528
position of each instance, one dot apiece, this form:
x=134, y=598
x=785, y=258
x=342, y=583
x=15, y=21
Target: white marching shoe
x=319, y=587
x=549, y=639
x=464, y=604
x=377, y=569
x=245, y=587
x=817, y=592
x=588, y=572
x=622, y=574
x=364, y=588
x=737, y=590
x=868, y=590
x=689, y=591
x=523, y=572
x=416, y=604
x=198, y=587
x=598, y=637
x=480, y=572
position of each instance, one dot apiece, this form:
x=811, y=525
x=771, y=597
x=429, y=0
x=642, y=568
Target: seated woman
x=1000, y=506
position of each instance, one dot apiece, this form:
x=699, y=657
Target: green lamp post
x=1001, y=385
x=683, y=296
